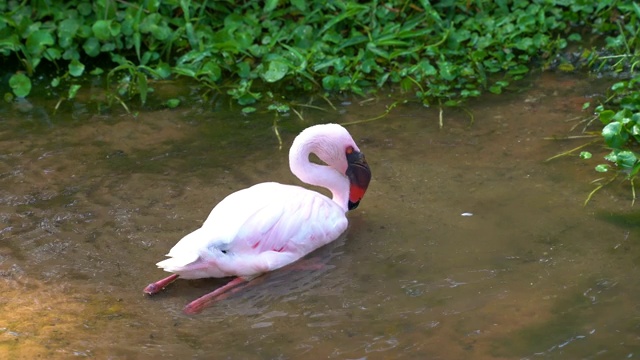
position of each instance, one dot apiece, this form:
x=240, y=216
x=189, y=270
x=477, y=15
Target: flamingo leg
x=157, y=286
x=218, y=294
x=237, y=284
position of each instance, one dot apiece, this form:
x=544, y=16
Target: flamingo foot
x=221, y=293
x=157, y=286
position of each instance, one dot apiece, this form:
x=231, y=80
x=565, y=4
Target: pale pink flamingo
x=270, y=225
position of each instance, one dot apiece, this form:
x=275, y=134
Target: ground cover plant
x=265, y=54
x=440, y=53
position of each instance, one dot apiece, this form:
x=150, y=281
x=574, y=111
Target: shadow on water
x=467, y=245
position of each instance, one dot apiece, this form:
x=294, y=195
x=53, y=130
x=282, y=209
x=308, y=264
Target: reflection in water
x=86, y=210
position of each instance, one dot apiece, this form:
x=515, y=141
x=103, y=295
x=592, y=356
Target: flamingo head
x=349, y=174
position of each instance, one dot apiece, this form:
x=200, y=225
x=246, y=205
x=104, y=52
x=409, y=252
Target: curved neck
x=318, y=175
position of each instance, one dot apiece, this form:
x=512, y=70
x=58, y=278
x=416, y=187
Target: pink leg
x=218, y=294
x=235, y=285
x=157, y=286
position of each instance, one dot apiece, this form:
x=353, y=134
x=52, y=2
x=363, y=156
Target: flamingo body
x=256, y=230
x=270, y=225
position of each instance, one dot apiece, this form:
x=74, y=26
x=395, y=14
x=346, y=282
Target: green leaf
x=85, y=9
x=248, y=98
x=619, y=85
x=52, y=54
x=153, y=6
x=37, y=42
x=191, y=36
x=114, y=28
x=626, y=159
x=163, y=70
x=11, y=43
x=248, y=109
x=634, y=171
x=575, y=37
x=350, y=12
x=184, y=71
x=143, y=88
x=495, y=89
x=76, y=68
x=498, y=86
x=101, y=29
x=281, y=108
x=161, y=33
x=518, y=70
x=212, y=70
x=275, y=71
x=524, y=44
x=561, y=43
x=447, y=70
x=137, y=42
x=566, y=67
x=20, y=84
x=172, y=103
x=332, y=82
x=67, y=30
x=585, y=155
x=606, y=116
x=636, y=9
x=70, y=54
x=614, y=136
x=602, y=168
x=149, y=57
x=91, y=47
x=73, y=90
x=378, y=51
x=469, y=93
x=107, y=47
x=301, y=5
x=406, y=84
x=269, y=6
x=243, y=70
x=478, y=55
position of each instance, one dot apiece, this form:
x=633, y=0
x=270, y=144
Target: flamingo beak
x=359, y=176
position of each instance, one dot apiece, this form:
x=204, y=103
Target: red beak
x=359, y=176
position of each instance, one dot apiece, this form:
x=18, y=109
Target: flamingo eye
x=349, y=150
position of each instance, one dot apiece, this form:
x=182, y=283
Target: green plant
x=440, y=54
x=621, y=133
x=619, y=113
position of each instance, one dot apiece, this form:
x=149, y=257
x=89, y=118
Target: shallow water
x=467, y=245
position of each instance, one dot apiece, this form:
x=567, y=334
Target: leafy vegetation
x=620, y=116
x=442, y=53
x=619, y=113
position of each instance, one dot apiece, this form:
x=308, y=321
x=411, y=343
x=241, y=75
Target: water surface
x=467, y=245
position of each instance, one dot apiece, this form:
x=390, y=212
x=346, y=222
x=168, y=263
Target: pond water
x=466, y=246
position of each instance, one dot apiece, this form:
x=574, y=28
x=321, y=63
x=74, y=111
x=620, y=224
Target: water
x=467, y=245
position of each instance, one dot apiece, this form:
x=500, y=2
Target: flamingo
x=270, y=225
